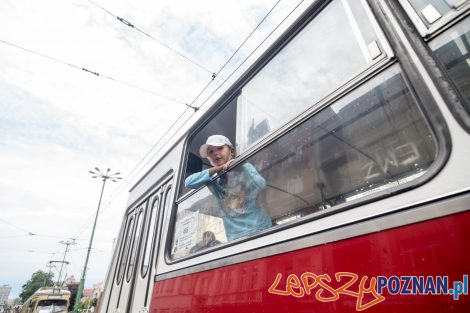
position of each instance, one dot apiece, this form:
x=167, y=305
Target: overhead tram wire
x=191, y=105
x=18, y=227
x=126, y=182
x=94, y=73
x=131, y=25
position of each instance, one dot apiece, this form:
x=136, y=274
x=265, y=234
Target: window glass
x=135, y=245
x=52, y=306
x=152, y=231
x=334, y=47
x=452, y=48
x=125, y=248
x=371, y=140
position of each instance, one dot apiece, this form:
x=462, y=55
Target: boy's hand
x=227, y=165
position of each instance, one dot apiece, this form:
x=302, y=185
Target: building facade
x=4, y=294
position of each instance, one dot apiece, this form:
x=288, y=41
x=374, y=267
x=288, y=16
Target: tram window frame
x=427, y=28
x=285, y=70
x=440, y=35
x=356, y=195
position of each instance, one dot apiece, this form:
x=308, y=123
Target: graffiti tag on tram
x=407, y=285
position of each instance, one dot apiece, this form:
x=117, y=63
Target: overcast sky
x=58, y=121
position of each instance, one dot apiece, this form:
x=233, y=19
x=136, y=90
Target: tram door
x=117, y=280
x=126, y=264
x=140, y=295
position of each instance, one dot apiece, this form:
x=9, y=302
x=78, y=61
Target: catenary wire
x=29, y=233
x=131, y=25
x=93, y=72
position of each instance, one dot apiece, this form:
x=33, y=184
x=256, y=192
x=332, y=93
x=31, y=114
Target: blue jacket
x=237, y=196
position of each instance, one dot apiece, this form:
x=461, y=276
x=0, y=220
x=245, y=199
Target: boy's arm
x=197, y=180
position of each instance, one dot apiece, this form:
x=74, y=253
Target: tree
x=37, y=280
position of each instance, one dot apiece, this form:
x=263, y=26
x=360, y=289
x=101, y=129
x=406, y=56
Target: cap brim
x=203, y=148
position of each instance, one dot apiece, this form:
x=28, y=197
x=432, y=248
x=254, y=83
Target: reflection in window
x=133, y=257
x=371, y=140
x=125, y=249
x=333, y=48
x=452, y=48
x=151, y=235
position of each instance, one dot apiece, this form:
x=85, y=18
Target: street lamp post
x=104, y=177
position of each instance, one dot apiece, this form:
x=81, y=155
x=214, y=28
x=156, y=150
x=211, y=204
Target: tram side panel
x=287, y=282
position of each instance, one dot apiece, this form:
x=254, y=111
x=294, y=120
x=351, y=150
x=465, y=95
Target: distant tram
x=358, y=119
x=47, y=300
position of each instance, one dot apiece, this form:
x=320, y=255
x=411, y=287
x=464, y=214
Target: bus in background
x=358, y=119
x=47, y=300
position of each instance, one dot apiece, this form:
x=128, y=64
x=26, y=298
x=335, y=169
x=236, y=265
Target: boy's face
x=219, y=155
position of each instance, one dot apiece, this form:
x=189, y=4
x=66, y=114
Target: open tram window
x=224, y=123
x=194, y=223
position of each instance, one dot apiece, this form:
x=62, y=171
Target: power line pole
x=67, y=244
x=49, y=265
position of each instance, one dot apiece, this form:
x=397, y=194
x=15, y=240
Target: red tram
x=358, y=118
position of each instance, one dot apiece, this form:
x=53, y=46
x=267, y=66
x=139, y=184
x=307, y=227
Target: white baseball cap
x=216, y=141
